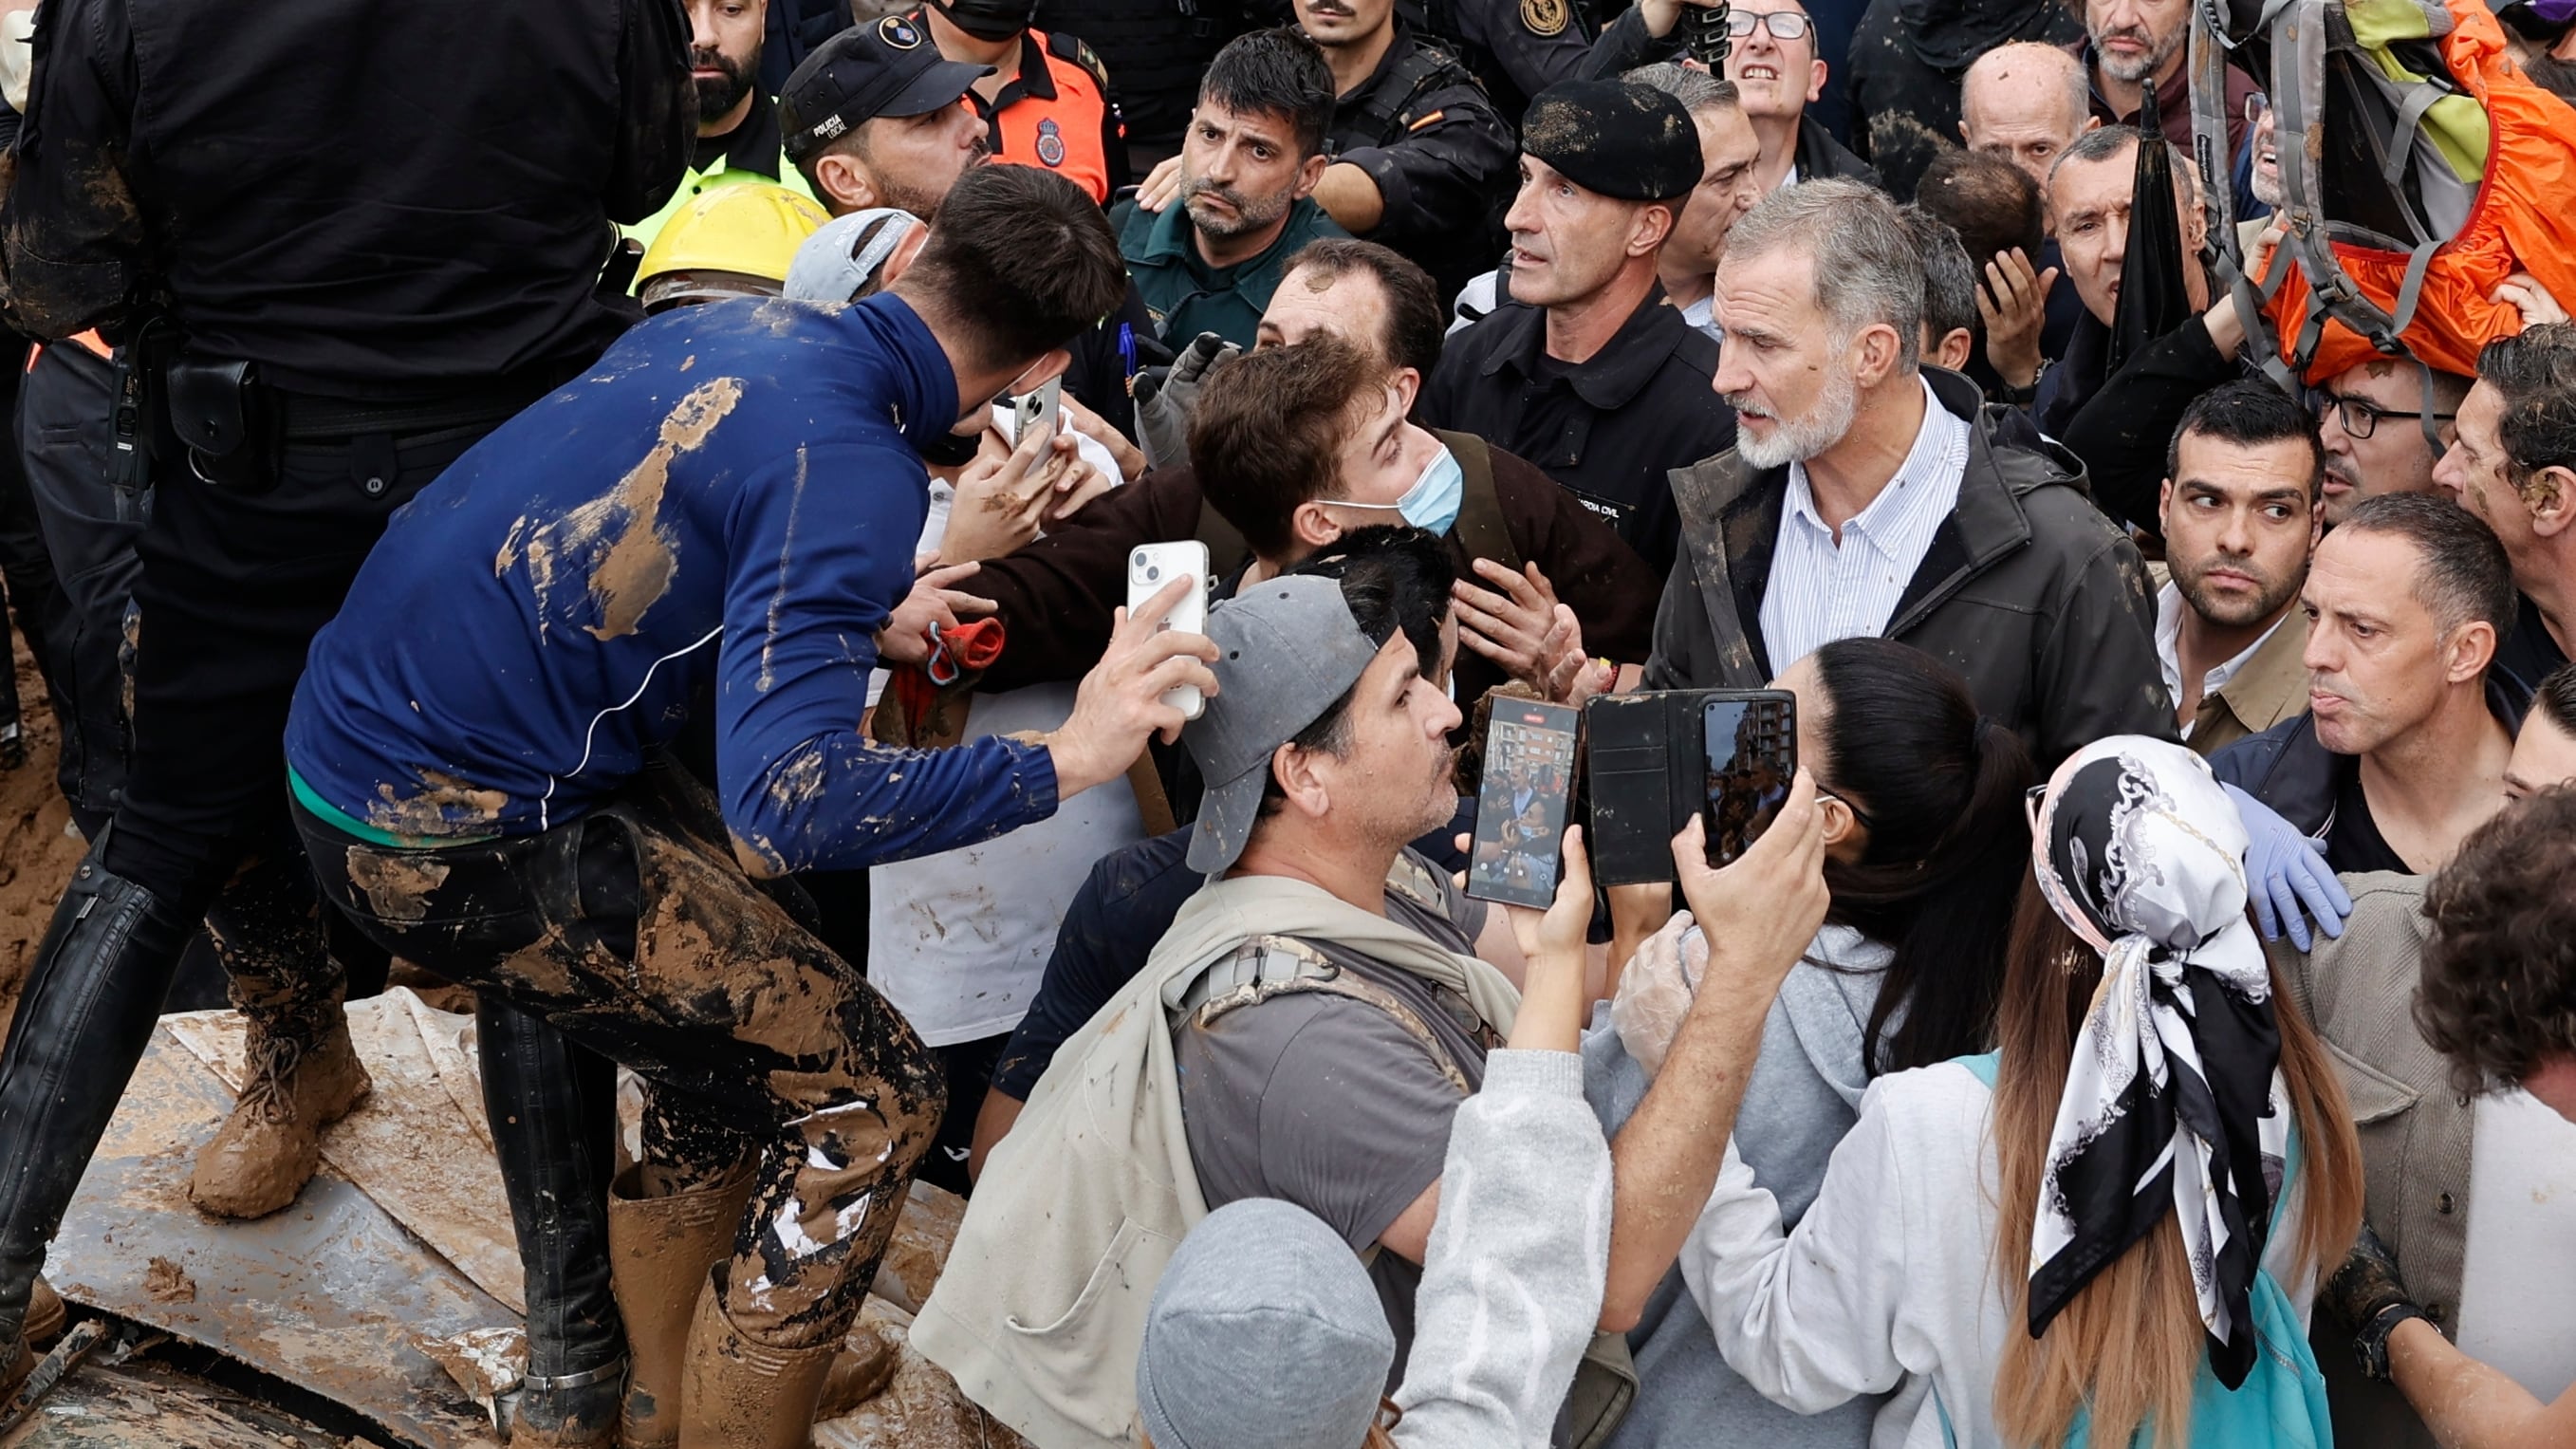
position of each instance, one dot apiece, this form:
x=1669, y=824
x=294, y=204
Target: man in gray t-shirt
x=1326, y=751
x=1332, y=1103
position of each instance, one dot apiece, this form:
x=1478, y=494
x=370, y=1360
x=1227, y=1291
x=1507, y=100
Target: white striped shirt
x=1820, y=590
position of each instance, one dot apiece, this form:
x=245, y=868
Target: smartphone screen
x=1752, y=744
x=1520, y=805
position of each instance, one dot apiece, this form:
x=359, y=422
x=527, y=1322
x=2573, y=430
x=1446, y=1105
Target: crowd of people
x=656, y=513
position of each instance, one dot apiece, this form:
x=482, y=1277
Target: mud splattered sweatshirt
x=724, y=509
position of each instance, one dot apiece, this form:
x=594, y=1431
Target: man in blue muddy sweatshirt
x=724, y=509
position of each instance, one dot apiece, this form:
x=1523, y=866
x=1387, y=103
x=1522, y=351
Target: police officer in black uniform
x=1521, y=47
x=1422, y=160
x=340, y=241
x=1606, y=416
x=1155, y=51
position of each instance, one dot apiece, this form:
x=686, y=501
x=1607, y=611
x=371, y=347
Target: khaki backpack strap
x=1270, y=966
x=1481, y=528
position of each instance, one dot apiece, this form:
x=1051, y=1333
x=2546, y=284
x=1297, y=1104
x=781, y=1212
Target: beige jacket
x=2359, y=991
x=1041, y=1309
x=2271, y=687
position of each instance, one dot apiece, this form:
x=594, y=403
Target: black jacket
x=1819, y=155
x=362, y=198
x=2028, y=591
x=1609, y=428
x=1441, y=155
x=2288, y=768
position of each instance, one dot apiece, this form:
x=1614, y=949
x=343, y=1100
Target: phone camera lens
x=1140, y=558
x=1152, y=574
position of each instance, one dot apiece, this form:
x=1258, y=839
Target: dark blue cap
x=885, y=67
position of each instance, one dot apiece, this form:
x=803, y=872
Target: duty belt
x=306, y=417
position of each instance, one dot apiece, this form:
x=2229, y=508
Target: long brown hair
x=2129, y=1345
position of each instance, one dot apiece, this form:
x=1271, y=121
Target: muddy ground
x=36, y=857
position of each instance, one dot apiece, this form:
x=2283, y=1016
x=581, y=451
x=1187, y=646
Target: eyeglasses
x=1783, y=24
x=2360, y=417
x=2255, y=105
x=1857, y=813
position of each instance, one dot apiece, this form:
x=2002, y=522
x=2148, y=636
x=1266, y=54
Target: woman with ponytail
x=2105, y=1233
x=1926, y=850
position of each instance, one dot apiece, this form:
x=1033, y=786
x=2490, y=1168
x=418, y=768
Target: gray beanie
x=1265, y=1333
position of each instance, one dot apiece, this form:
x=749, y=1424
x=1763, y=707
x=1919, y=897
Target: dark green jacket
x=1183, y=295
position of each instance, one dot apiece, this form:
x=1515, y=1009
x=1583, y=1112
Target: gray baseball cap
x=1265, y=1333
x=1286, y=649
x=843, y=256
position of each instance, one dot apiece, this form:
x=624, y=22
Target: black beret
x=1619, y=138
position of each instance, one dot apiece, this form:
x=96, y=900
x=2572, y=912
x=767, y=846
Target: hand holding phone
x=1033, y=409
x=1521, y=803
x=1761, y=912
x=1150, y=568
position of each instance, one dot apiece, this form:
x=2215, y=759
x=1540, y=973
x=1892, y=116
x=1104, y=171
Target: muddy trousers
x=234, y=584
x=652, y=950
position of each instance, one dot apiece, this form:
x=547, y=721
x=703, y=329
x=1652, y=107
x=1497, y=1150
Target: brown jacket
x=2271, y=687
x=2359, y=991
x=1056, y=594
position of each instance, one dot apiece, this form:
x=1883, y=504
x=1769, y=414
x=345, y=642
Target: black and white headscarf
x=2173, y=1101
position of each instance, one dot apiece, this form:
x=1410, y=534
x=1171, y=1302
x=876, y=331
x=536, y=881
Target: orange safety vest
x=1055, y=112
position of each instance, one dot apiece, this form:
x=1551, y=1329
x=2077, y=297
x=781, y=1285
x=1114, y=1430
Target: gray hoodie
x=1803, y=1096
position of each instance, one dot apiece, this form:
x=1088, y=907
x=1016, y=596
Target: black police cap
x=1618, y=138
x=885, y=67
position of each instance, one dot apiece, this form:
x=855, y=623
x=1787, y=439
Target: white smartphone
x=1035, y=409
x=1151, y=566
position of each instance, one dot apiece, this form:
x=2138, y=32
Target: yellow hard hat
x=733, y=237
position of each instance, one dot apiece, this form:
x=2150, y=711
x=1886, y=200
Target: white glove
x=1655, y=990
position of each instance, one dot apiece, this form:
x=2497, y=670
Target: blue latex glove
x=2285, y=871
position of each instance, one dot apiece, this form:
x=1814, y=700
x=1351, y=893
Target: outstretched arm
x=2469, y=1405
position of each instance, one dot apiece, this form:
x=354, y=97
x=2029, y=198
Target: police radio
x=1704, y=36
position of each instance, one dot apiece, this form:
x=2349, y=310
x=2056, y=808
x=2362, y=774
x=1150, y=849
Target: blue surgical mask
x=1431, y=504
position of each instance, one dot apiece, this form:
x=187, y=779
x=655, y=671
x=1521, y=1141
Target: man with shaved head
x=2026, y=103
x=1907, y=65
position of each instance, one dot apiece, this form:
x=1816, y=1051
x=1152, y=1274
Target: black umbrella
x=2153, y=299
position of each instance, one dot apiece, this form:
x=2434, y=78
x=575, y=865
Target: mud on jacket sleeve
x=74, y=238
x=809, y=563
x=2097, y=674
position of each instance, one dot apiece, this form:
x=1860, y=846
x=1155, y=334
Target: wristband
x=2370, y=1344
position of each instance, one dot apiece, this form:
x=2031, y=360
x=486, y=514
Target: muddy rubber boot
x=16, y=1362
x=267, y=1149
x=89, y=1011
x=659, y=1250
x=868, y=1361
x=553, y=1109
x=737, y=1394
x=45, y=1314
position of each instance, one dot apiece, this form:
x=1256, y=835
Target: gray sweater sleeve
x=1512, y=1284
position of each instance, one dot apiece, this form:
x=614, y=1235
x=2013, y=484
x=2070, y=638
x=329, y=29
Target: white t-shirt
x=2516, y=1314
x=958, y=941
